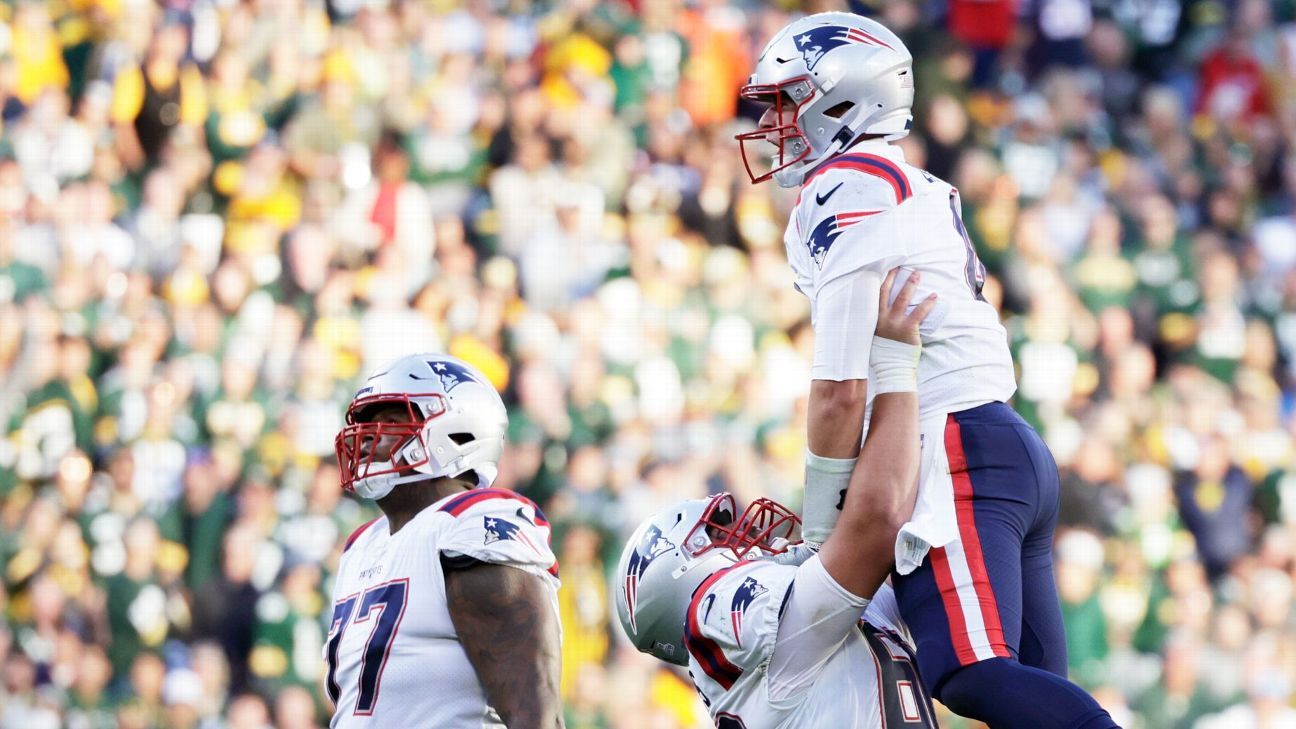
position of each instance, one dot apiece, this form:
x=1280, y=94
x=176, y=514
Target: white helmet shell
x=833, y=78
x=457, y=424
x=656, y=577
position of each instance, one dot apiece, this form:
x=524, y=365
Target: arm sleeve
x=847, y=244
x=819, y=616
x=505, y=531
x=845, y=315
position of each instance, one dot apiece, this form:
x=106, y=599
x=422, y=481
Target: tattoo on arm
x=510, y=632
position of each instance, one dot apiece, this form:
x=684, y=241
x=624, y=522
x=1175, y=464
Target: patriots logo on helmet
x=748, y=591
x=498, y=530
x=826, y=232
x=452, y=373
x=814, y=43
x=652, y=546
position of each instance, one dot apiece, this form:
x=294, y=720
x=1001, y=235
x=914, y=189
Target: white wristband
x=894, y=366
x=826, y=480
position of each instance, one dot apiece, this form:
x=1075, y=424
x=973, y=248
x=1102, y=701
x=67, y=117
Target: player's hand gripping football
x=896, y=319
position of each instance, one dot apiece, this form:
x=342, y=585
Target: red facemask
x=764, y=522
x=785, y=100
x=360, y=443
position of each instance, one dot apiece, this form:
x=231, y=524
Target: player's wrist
x=894, y=366
x=826, y=480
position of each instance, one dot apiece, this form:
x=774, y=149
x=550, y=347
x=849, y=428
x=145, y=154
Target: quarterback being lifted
x=974, y=567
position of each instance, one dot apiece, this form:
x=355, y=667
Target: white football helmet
x=672, y=552
x=828, y=79
x=456, y=424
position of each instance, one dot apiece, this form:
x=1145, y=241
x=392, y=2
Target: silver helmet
x=672, y=552
x=456, y=423
x=828, y=79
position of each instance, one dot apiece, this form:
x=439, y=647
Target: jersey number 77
x=389, y=600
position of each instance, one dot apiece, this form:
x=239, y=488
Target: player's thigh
x=964, y=604
x=1043, y=641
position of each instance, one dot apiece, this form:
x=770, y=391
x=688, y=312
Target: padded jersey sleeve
x=732, y=621
x=850, y=220
x=500, y=527
x=852, y=232
x=819, y=616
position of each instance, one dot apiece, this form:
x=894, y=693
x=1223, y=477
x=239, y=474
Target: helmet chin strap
x=376, y=487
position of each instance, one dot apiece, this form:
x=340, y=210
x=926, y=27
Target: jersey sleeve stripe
x=463, y=502
x=356, y=534
x=871, y=164
x=710, y=656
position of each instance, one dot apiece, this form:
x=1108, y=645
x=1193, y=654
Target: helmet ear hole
x=838, y=111
x=461, y=438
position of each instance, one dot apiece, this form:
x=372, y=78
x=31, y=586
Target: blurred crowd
x=217, y=215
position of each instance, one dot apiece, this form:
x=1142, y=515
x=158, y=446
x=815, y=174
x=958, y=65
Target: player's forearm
x=510, y=633
x=860, y=550
x=835, y=416
x=884, y=483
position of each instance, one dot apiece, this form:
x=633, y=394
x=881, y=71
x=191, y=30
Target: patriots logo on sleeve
x=814, y=43
x=652, y=546
x=748, y=591
x=826, y=232
x=498, y=530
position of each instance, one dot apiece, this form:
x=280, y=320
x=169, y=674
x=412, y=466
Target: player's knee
x=1003, y=693
x=964, y=689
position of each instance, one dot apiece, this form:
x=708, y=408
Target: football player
x=780, y=641
x=974, y=563
x=445, y=610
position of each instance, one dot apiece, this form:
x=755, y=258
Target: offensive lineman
x=793, y=640
x=445, y=611
x=974, y=573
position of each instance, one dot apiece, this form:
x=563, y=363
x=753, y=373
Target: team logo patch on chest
x=827, y=231
x=499, y=530
x=747, y=592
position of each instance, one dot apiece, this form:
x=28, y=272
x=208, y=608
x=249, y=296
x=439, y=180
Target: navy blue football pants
x=983, y=609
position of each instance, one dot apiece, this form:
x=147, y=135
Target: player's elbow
x=880, y=516
x=880, y=507
x=838, y=399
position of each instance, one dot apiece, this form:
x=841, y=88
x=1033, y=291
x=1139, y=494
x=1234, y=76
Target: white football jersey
x=869, y=211
x=393, y=657
x=867, y=681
